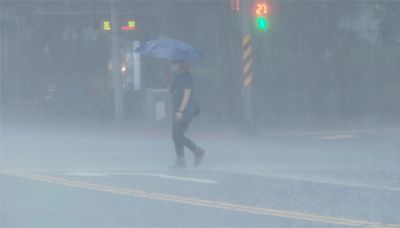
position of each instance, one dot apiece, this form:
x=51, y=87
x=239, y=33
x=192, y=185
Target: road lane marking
x=336, y=136
x=315, y=133
x=251, y=172
x=86, y=174
x=98, y=170
x=311, y=179
x=172, y=177
x=163, y=176
x=200, y=202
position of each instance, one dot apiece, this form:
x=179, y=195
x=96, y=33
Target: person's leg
x=197, y=151
x=178, y=137
x=189, y=144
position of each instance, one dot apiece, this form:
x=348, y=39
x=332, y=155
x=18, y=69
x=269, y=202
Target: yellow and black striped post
x=247, y=61
x=248, y=78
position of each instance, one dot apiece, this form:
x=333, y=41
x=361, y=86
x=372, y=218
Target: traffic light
x=262, y=24
x=106, y=25
x=126, y=25
x=261, y=10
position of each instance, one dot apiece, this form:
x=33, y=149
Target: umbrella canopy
x=174, y=50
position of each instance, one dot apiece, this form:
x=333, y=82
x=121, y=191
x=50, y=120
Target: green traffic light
x=262, y=24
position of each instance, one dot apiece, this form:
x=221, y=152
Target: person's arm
x=186, y=97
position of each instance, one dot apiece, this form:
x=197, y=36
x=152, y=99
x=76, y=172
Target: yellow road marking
x=172, y=177
x=200, y=202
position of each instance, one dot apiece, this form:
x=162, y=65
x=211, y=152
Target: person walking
x=184, y=105
x=184, y=109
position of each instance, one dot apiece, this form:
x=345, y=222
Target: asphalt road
x=55, y=178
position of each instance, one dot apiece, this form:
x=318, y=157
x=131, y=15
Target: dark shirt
x=180, y=83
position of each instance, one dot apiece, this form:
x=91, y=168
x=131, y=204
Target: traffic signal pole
x=116, y=63
x=247, y=82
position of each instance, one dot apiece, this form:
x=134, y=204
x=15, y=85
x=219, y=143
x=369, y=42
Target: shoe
x=198, y=156
x=180, y=163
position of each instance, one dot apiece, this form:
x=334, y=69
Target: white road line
x=86, y=174
x=179, y=178
x=99, y=170
x=316, y=133
x=336, y=136
x=312, y=179
x=157, y=175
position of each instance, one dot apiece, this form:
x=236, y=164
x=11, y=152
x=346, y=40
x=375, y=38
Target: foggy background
x=326, y=99
x=320, y=65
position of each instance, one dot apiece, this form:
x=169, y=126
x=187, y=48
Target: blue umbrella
x=169, y=49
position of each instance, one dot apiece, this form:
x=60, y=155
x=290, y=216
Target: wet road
x=77, y=179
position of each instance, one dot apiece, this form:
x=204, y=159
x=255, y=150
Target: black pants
x=178, y=135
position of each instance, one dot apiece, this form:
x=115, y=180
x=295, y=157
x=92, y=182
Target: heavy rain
x=199, y=113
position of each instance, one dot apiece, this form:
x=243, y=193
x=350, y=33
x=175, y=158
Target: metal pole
x=116, y=63
x=247, y=85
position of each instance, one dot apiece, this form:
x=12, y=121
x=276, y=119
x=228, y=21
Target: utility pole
x=247, y=83
x=116, y=63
